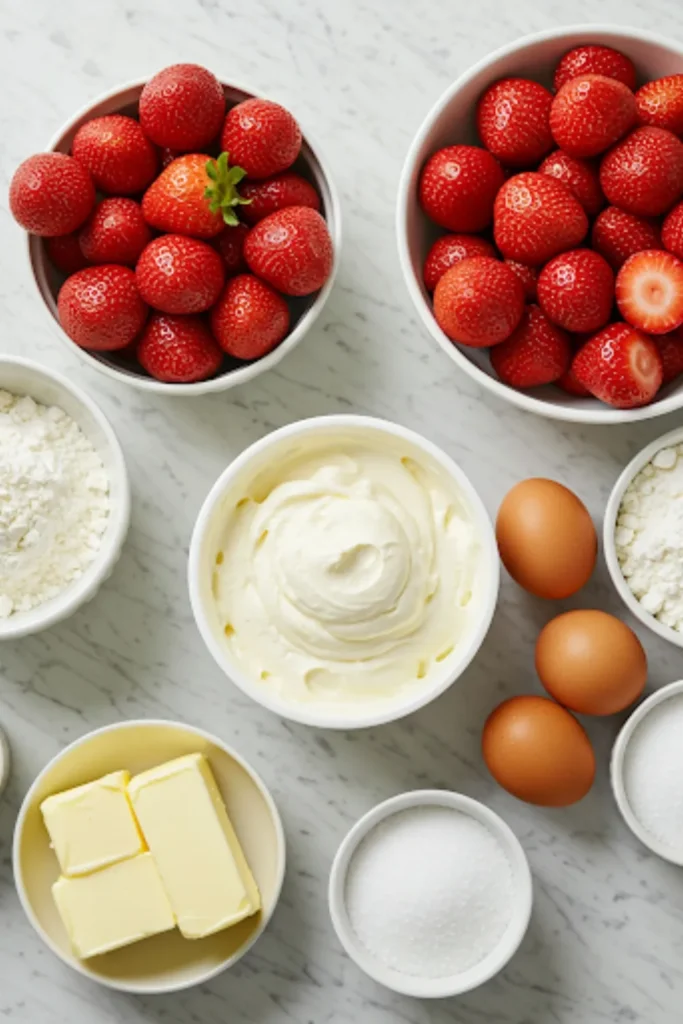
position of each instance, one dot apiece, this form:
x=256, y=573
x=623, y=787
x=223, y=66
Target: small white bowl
x=452, y=120
x=634, y=467
x=23, y=377
x=619, y=753
x=206, y=541
x=432, y=988
x=167, y=962
x=305, y=311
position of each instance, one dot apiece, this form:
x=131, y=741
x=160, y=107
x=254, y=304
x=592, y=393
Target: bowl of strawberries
x=540, y=224
x=182, y=233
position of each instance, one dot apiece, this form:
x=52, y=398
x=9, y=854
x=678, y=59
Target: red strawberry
x=670, y=348
x=571, y=384
x=512, y=121
x=527, y=275
x=117, y=153
x=458, y=186
x=167, y=156
x=617, y=235
x=182, y=107
x=177, y=274
x=660, y=103
x=195, y=196
x=264, y=197
x=250, y=318
x=230, y=244
x=479, y=302
x=178, y=349
x=620, y=366
x=291, y=250
x=672, y=231
x=649, y=291
x=576, y=290
x=594, y=59
x=100, y=308
x=643, y=174
x=262, y=137
x=51, y=194
x=449, y=250
x=64, y=253
x=580, y=177
x=590, y=113
x=535, y=217
x=115, y=233
x=536, y=353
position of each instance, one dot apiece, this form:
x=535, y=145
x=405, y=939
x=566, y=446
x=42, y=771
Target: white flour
x=54, y=502
x=430, y=892
x=649, y=536
x=653, y=769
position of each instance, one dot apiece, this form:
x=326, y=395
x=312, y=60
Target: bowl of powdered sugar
x=430, y=894
x=64, y=498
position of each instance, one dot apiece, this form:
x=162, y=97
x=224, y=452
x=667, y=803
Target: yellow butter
x=200, y=860
x=92, y=826
x=113, y=907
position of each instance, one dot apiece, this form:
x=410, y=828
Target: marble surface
x=606, y=938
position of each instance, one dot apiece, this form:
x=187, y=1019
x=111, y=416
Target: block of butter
x=189, y=834
x=120, y=904
x=92, y=826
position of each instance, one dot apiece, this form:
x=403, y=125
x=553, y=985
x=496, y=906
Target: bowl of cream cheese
x=343, y=572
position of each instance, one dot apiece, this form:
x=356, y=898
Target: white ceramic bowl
x=206, y=544
x=432, y=988
x=674, y=437
x=305, y=311
x=5, y=761
x=619, y=754
x=48, y=387
x=164, y=963
x=451, y=120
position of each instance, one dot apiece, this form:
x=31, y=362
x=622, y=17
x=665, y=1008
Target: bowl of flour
x=64, y=498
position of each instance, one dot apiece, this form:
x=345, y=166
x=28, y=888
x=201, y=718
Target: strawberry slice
x=661, y=103
x=649, y=291
x=621, y=366
x=536, y=353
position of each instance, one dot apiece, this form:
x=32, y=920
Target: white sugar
x=429, y=892
x=653, y=772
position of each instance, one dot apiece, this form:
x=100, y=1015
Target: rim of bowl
x=77, y=594
x=77, y=965
x=500, y=955
x=5, y=761
x=302, y=713
x=617, y=772
x=241, y=374
x=527, y=402
x=631, y=470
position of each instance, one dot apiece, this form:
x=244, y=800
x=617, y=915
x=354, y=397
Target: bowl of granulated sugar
x=430, y=894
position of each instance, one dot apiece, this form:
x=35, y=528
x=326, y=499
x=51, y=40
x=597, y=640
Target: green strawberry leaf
x=221, y=192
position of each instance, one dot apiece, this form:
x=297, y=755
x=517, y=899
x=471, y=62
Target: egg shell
x=538, y=752
x=591, y=662
x=546, y=538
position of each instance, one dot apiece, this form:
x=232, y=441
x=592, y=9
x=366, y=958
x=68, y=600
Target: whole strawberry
x=265, y=197
x=182, y=107
x=537, y=352
x=116, y=232
x=230, y=244
x=291, y=250
x=670, y=348
x=672, y=231
x=595, y=59
x=117, y=153
x=512, y=121
x=660, y=103
x=262, y=137
x=576, y=290
x=535, y=217
x=649, y=291
x=176, y=274
x=458, y=187
x=479, y=302
x=51, y=194
x=100, y=308
x=195, y=195
x=616, y=235
x=621, y=366
x=449, y=250
x=571, y=385
x=590, y=113
x=178, y=349
x=580, y=176
x=64, y=253
x=250, y=318
x=527, y=275
x=643, y=174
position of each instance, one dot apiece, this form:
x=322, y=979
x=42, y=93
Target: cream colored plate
x=167, y=962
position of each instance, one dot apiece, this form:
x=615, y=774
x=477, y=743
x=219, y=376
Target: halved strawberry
x=458, y=186
x=660, y=103
x=449, y=250
x=616, y=235
x=512, y=121
x=596, y=60
x=621, y=366
x=535, y=217
x=670, y=348
x=649, y=291
x=576, y=290
x=644, y=172
x=672, y=231
x=580, y=176
x=590, y=113
x=479, y=302
x=536, y=353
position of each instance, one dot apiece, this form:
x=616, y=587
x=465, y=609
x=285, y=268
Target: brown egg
x=546, y=538
x=538, y=752
x=591, y=662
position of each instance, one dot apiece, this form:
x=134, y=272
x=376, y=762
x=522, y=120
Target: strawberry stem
x=222, y=192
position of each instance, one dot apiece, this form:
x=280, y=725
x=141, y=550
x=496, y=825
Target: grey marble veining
x=606, y=938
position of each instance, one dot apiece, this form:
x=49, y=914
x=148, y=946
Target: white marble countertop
x=606, y=938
